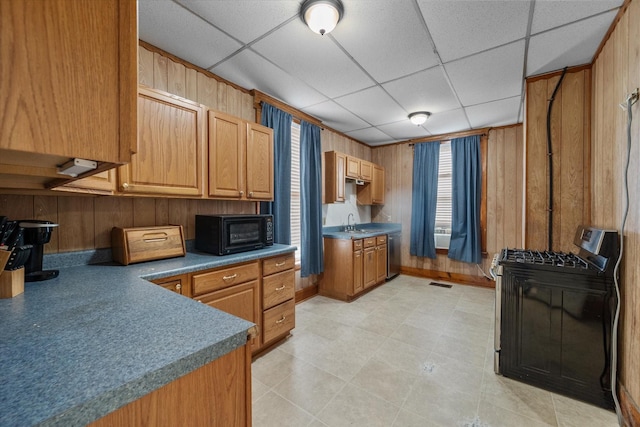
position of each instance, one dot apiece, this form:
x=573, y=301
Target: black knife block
x=37, y=233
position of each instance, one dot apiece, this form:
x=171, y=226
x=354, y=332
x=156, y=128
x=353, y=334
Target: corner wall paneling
x=616, y=73
x=504, y=202
x=571, y=138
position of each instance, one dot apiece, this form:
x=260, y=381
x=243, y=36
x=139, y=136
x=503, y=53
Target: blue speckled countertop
x=77, y=347
x=362, y=230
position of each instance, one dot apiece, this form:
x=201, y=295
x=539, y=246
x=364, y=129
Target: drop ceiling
x=463, y=61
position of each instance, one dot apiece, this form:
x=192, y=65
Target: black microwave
x=229, y=234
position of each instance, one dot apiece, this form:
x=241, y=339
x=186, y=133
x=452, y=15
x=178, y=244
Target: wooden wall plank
x=144, y=212
x=509, y=231
x=176, y=78
x=160, y=72
x=145, y=66
x=501, y=203
x=76, y=230
x=111, y=212
x=207, y=91
x=520, y=186
x=492, y=178
x=191, y=84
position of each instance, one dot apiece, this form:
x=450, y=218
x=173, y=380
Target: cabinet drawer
x=220, y=279
x=278, y=264
x=279, y=320
x=278, y=288
x=369, y=242
x=357, y=245
x=175, y=283
x=381, y=240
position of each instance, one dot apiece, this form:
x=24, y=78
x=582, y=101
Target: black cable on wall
x=550, y=156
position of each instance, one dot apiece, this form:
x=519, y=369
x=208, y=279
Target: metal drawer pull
x=233, y=276
x=281, y=320
x=280, y=264
x=281, y=288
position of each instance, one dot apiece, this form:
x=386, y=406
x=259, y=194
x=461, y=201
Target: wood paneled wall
x=504, y=199
x=332, y=141
x=616, y=73
x=570, y=121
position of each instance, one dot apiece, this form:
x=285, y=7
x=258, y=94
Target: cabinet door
x=65, y=93
x=259, y=162
x=334, y=166
x=377, y=184
x=100, y=183
x=226, y=143
x=381, y=263
x=366, y=169
x=170, y=143
x=358, y=284
x=353, y=167
x=241, y=301
x=369, y=270
x=175, y=284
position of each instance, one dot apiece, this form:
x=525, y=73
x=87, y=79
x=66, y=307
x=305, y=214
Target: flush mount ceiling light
x=419, y=117
x=321, y=16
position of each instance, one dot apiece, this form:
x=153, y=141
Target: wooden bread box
x=131, y=245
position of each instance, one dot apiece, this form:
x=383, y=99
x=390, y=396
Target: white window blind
x=443, y=207
x=295, y=188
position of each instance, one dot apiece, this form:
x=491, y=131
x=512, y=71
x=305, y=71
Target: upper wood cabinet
x=333, y=170
x=240, y=161
x=359, y=169
x=170, y=147
x=68, y=85
x=372, y=193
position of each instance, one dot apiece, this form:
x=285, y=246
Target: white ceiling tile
x=372, y=135
x=245, y=20
x=424, y=91
x=447, y=122
x=496, y=113
x=189, y=37
x=251, y=71
x=549, y=14
x=335, y=116
x=396, y=31
x=404, y=130
x=488, y=76
x=315, y=59
x=570, y=45
x=461, y=28
x=373, y=105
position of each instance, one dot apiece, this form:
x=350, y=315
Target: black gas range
x=554, y=315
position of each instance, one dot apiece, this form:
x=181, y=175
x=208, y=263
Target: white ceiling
x=462, y=60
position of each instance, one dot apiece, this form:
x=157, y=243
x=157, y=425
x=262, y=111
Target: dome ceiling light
x=419, y=117
x=321, y=16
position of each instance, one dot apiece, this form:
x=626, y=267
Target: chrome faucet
x=349, y=226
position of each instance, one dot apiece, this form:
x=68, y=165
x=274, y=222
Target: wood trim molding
x=187, y=64
x=306, y=293
x=630, y=409
x=443, y=137
x=552, y=74
x=462, y=279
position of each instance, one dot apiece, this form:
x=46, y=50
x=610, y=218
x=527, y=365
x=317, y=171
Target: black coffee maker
x=37, y=233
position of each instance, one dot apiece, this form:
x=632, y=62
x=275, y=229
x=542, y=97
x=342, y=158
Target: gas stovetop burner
x=558, y=259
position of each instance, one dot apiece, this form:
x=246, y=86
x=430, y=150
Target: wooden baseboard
x=463, y=279
x=306, y=293
x=630, y=409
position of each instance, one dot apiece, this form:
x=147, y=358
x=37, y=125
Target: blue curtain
x=280, y=208
x=466, y=190
x=312, y=261
x=426, y=158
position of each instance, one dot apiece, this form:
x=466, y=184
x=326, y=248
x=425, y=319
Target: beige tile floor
x=406, y=354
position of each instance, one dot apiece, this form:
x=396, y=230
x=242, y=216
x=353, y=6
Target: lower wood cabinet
x=352, y=266
x=260, y=291
x=217, y=395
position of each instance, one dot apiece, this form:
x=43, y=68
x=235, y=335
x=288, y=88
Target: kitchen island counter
x=77, y=347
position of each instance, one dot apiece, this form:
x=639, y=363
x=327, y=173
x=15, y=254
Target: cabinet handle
x=280, y=264
x=178, y=287
x=250, y=193
x=241, y=193
x=125, y=186
x=281, y=288
x=233, y=276
x=281, y=320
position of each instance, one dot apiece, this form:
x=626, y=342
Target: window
x=295, y=188
x=442, y=233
